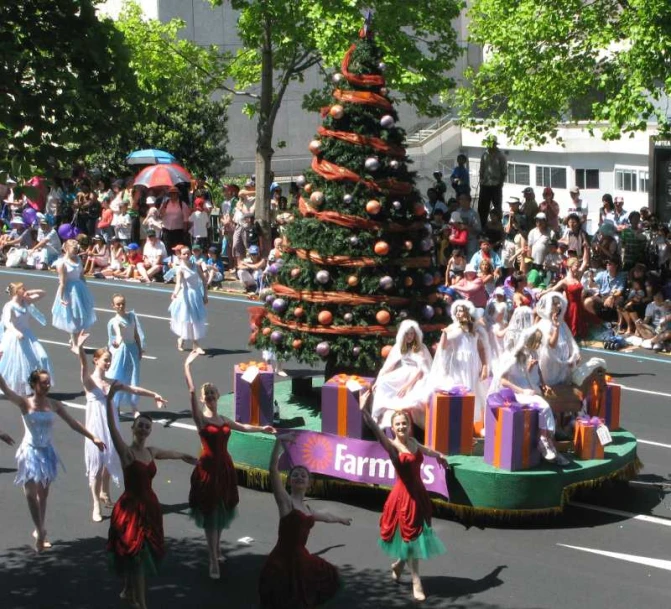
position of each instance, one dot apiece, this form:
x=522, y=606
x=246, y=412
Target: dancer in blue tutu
x=36, y=459
x=73, y=310
x=187, y=310
x=125, y=340
x=22, y=352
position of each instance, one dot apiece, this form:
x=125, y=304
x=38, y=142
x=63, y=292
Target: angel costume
x=401, y=366
x=458, y=360
x=556, y=362
x=496, y=314
x=521, y=319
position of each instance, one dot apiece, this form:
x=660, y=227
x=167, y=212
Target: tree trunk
x=264, y=139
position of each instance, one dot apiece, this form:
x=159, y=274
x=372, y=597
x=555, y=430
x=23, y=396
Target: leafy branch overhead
x=602, y=61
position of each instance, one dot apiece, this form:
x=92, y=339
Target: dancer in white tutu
x=401, y=383
x=522, y=319
x=462, y=358
x=126, y=342
x=105, y=465
x=73, y=310
x=187, y=310
x=520, y=372
x=22, y=352
x=558, y=353
x=36, y=459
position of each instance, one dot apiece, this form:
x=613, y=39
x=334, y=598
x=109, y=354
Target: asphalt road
x=612, y=551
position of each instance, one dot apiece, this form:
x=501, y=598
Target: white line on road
x=642, y=517
x=138, y=314
x=653, y=443
x=640, y=560
x=55, y=342
x=666, y=395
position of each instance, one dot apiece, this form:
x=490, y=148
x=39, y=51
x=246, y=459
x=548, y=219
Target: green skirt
x=426, y=545
x=144, y=559
x=220, y=518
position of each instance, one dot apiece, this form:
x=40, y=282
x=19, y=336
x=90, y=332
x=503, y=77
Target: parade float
x=357, y=261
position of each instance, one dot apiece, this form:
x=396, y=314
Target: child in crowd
x=152, y=221
x=486, y=273
x=553, y=263
x=117, y=259
x=251, y=268
x=655, y=326
x=98, y=256
x=171, y=264
x=105, y=227
x=214, y=267
x=199, y=224
x=276, y=253
x=122, y=223
x=458, y=232
x=460, y=178
x=455, y=267
x=133, y=258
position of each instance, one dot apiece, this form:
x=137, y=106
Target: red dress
x=136, y=525
x=292, y=578
x=577, y=317
x=214, y=486
x=405, y=524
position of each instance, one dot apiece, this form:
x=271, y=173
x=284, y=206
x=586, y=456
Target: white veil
x=396, y=352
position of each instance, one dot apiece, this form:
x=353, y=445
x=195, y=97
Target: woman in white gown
x=522, y=319
x=462, y=358
x=401, y=383
x=496, y=318
x=558, y=353
x=519, y=371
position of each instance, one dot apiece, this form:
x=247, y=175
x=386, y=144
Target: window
x=626, y=180
x=643, y=178
x=519, y=174
x=555, y=177
x=587, y=179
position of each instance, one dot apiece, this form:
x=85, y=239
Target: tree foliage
x=172, y=109
x=62, y=75
x=549, y=62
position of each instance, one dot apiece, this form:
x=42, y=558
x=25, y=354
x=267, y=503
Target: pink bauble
x=337, y=112
x=315, y=147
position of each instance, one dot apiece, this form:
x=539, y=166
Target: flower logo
x=317, y=452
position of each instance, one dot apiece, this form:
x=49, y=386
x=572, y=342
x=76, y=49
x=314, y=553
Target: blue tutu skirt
x=78, y=314
x=37, y=464
x=20, y=357
x=125, y=368
x=188, y=315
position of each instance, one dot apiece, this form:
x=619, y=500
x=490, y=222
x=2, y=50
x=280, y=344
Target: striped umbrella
x=156, y=176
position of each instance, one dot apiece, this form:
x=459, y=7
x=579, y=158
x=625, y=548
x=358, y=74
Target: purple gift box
x=341, y=411
x=511, y=433
x=254, y=401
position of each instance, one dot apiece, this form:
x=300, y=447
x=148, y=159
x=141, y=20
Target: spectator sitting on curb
x=251, y=268
x=214, y=267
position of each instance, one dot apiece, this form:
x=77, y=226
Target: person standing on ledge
x=493, y=172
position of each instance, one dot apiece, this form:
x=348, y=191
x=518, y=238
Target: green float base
x=477, y=491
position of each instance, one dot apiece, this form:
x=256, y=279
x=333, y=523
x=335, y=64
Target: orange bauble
x=407, y=282
x=337, y=111
x=297, y=343
x=373, y=207
x=352, y=281
x=307, y=188
x=381, y=248
x=385, y=351
x=298, y=312
x=383, y=317
x=295, y=272
x=408, y=245
x=438, y=311
x=325, y=318
x=419, y=210
x=432, y=297
x=315, y=147
x=266, y=331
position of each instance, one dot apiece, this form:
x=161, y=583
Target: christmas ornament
x=279, y=305
x=387, y=121
x=402, y=314
x=301, y=181
x=382, y=66
x=432, y=297
x=356, y=350
x=352, y=281
x=384, y=91
x=428, y=311
x=297, y=343
x=354, y=240
x=347, y=199
x=426, y=245
x=295, y=272
x=337, y=78
x=317, y=197
x=307, y=188
x=315, y=146
x=408, y=245
x=337, y=112
x=438, y=311
x=298, y=312
x=325, y=318
x=348, y=317
x=373, y=207
x=385, y=351
x=393, y=164
x=419, y=210
x=407, y=282
x=383, y=317
x=266, y=331
x=323, y=276
x=428, y=279
x=273, y=269
x=386, y=282
x=323, y=349
x=277, y=337
x=269, y=298
x=396, y=205
x=372, y=163
x=381, y=248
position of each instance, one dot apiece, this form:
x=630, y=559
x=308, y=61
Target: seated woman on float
x=401, y=383
x=520, y=372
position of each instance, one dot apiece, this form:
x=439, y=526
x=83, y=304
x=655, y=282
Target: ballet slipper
x=96, y=516
x=418, y=591
x=45, y=545
x=199, y=350
x=106, y=501
x=214, y=570
x=396, y=570
x=180, y=345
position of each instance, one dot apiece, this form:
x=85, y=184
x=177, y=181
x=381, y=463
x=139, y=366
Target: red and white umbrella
x=156, y=176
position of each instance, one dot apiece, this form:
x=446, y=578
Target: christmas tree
x=357, y=257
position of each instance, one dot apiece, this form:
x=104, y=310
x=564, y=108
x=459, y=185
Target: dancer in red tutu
x=136, y=526
x=292, y=578
x=214, y=487
x=405, y=524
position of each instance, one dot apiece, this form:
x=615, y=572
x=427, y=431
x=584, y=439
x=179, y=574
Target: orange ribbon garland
x=336, y=173
x=363, y=80
x=348, y=261
x=338, y=297
x=361, y=140
x=365, y=98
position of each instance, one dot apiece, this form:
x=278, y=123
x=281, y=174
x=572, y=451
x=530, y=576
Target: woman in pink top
x=472, y=288
x=174, y=214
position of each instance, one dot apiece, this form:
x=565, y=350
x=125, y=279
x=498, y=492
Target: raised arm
x=89, y=385
x=148, y=393
x=34, y=295
x=195, y=410
x=282, y=498
x=6, y=438
x=159, y=453
x=366, y=401
x=121, y=447
x=13, y=397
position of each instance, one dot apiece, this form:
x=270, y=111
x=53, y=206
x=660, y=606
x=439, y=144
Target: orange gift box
x=449, y=423
x=605, y=404
x=586, y=443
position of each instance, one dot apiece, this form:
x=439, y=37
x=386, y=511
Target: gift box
x=449, y=422
x=605, y=404
x=253, y=388
x=341, y=410
x=511, y=433
x=586, y=443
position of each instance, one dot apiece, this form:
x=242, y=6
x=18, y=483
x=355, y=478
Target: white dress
x=390, y=382
x=188, y=314
x=557, y=362
x=96, y=423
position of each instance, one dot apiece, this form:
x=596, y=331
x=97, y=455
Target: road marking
x=640, y=560
x=642, y=517
x=55, y=342
x=126, y=286
x=653, y=443
x=666, y=395
x=661, y=360
x=138, y=314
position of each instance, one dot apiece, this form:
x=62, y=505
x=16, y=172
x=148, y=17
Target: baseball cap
x=499, y=291
x=253, y=249
x=456, y=217
x=133, y=246
x=470, y=268
x=97, y=238
x=541, y=216
x=513, y=201
x=17, y=220
x=528, y=191
x=574, y=190
x=196, y=246
x=213, y=250
x=151, y=200
x=151, y=233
